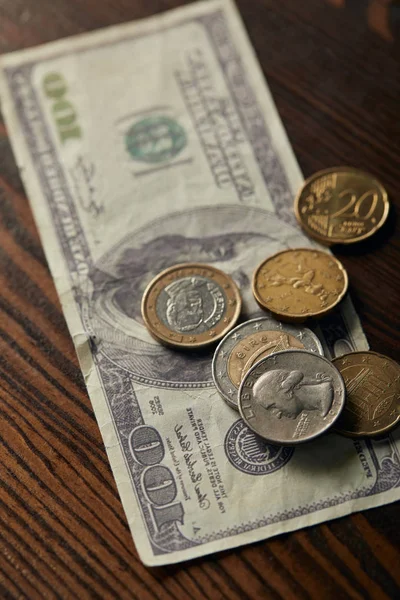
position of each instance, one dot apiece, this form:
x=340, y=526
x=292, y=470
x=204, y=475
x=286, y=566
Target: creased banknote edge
x=285, y=150
x=73, y=320
x=275, y=530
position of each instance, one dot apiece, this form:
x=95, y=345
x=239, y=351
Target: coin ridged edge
x=291, y=443
x=242, y=326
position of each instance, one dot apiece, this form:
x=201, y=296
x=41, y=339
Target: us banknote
x=146, y=145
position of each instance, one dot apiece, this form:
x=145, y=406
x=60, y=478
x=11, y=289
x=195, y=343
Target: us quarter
x=291, y=397
x=190, y=305
x=248, y=343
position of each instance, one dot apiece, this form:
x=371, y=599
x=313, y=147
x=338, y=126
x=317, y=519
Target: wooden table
x=332, y=66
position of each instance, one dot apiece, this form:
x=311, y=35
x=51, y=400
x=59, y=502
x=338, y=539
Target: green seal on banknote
x=155, y=139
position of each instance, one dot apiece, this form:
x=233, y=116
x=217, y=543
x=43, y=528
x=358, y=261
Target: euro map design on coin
x=191, y=305
x=372, y=383
x=197, y=235
x=341, y=205
x=291, y=397
x=248, y=343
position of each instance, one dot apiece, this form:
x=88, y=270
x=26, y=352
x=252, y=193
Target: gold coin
x=190, y=305
x=297, y=284
x=254, y=347
x=372, y=404
x=341, y=205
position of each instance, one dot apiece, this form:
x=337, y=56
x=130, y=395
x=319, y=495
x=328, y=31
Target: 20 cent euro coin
x=341, y=205
x=248, y=343
x=190, y=305
x=372, y=394
x=291, y=397
x=301, y=283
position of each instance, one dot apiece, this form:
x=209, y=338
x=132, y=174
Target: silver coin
x=291, y=397
x=247, y=343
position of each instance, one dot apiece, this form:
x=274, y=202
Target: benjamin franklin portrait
x=288, y=393
x=232, y=238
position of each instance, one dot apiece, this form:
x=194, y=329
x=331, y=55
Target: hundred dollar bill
x=146, y=145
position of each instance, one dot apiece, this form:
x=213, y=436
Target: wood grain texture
x=332, y=66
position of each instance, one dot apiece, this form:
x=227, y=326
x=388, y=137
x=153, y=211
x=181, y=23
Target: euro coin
x=372, y=383
x=297, y=284
x=248, y=343
x=291, y=397
x=341, y=206
x=190, y=305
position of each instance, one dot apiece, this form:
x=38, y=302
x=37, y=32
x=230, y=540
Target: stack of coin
x=274, y=373
x=248, y=343
x=291, y=397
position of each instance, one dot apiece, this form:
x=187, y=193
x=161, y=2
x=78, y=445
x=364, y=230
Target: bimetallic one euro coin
x=372, y=383
x=297, y=284
x=248, y=343
x=341, y=205
x=190, y=305
x=291, y=397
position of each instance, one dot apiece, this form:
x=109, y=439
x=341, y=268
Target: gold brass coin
x=341, y=205
x=190, y=305
x=372, y=406
x=297, y=284
x=246, y=353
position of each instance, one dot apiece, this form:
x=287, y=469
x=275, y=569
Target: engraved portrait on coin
x=291, y=397
x=288, y=393
x=231, y=238
x=185, y=308
x=190, y=305
x=248, y=343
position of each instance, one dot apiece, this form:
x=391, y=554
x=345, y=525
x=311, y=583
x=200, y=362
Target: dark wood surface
x=333, y=68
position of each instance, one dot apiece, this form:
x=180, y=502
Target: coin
x=372, y=394
x=341, y=205
x=301, y=283
x=248, y=343
x=291, y=397
x=190, y=305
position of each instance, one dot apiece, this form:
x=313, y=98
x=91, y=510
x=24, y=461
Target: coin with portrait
x=190, y=305
x=341, y=205
x=372, y=383
x=300, y=283
x=248, y=343
x=291, y=397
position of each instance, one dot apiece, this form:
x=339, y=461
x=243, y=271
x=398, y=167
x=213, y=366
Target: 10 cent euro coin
x=341, y=205
x=372, y=383
x=291, y=397
x=301, y=283
x=190, y=305
x=248, y=343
